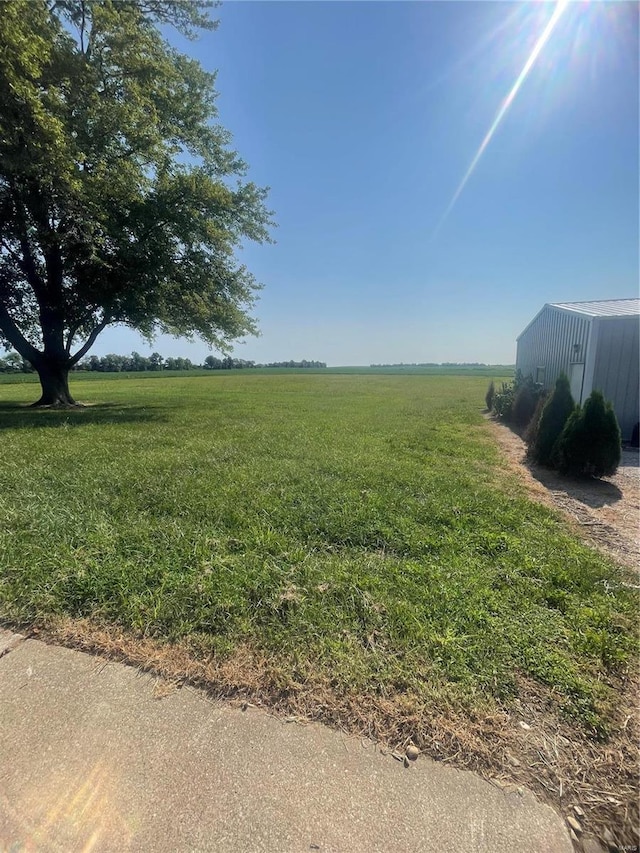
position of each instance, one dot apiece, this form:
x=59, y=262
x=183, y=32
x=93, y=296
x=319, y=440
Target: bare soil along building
x=597, y=344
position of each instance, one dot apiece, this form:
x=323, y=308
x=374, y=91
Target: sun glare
x=509, y=99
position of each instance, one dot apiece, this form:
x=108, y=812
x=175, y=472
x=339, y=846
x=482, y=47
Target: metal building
x=597, y=345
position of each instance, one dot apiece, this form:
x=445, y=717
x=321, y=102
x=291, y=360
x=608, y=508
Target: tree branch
x=82, y=25
x=15, y=337
x=72, y=333
x=28, y=263
x=89, y=343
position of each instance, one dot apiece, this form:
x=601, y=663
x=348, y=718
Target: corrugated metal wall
x=617, y=368
x=549, y=343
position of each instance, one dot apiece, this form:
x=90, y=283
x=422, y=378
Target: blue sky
x=363, y=119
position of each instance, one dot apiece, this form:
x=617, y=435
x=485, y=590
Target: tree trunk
x=54, y=379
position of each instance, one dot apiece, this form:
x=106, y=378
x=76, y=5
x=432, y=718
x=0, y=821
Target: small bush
x=503, y=401
x=554, y=416
x=590, y=443
x=525, y=402
x=531, y=433
x=488, y=397
x=516, y=401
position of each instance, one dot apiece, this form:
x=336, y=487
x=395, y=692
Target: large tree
x=121, y=200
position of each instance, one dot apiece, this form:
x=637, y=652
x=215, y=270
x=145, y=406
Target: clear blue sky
x=363, y=119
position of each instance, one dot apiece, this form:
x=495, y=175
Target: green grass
x=493, y=370
x=361, y=530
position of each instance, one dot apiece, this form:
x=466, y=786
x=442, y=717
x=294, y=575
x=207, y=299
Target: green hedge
x=554, y=416
x=590, y=443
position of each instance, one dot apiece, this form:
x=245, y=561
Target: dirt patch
x=606, y=513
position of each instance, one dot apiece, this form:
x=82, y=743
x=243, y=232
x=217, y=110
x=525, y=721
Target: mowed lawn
x=359, y=532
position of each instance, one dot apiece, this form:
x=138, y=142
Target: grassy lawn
x=347, y=547
x=355, y=531
x=495, y=371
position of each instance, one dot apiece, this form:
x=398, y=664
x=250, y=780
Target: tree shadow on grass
x=23, y=416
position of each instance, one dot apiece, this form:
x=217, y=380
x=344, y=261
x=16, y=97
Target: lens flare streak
x=539, y=45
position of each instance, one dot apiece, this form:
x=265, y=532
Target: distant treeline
x=435, y=364
x=303, y=363
x=112, y=363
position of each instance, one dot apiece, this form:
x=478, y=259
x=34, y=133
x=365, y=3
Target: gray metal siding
x=617, y=368
x=549, y=342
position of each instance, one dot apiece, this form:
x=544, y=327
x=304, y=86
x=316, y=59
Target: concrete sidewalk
x=91, y=761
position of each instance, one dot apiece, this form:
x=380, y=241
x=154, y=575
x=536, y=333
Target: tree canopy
x=121, y=199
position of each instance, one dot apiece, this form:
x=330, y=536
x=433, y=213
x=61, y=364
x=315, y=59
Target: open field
x=491, y=370
x=349, y=546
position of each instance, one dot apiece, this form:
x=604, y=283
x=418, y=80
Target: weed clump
x=516, y=401
x=503, y=401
